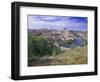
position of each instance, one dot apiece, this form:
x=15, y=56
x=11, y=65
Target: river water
x=77, y=42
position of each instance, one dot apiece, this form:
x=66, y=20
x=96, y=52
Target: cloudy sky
x=57, y=22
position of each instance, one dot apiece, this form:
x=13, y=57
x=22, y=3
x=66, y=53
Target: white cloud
x=36, y=23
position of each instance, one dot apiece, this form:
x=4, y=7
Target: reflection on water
x=77, y=42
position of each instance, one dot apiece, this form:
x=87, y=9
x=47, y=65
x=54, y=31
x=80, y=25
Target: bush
x=39, y=46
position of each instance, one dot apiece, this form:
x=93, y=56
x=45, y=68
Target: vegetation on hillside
x=42, y=51
x=39, y=47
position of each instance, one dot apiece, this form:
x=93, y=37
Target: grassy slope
x=71, y=56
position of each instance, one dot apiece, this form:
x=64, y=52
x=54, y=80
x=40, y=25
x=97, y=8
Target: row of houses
x=59, y=36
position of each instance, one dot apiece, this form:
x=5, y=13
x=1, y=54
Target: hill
x=56, y=47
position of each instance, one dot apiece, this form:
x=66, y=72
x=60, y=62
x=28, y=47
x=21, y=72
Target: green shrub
x=39, y=46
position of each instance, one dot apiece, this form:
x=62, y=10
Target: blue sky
x=57, y=22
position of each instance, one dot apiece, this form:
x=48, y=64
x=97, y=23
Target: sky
x=57, y=22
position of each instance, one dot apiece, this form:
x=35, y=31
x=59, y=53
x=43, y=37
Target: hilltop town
x=59, y=37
